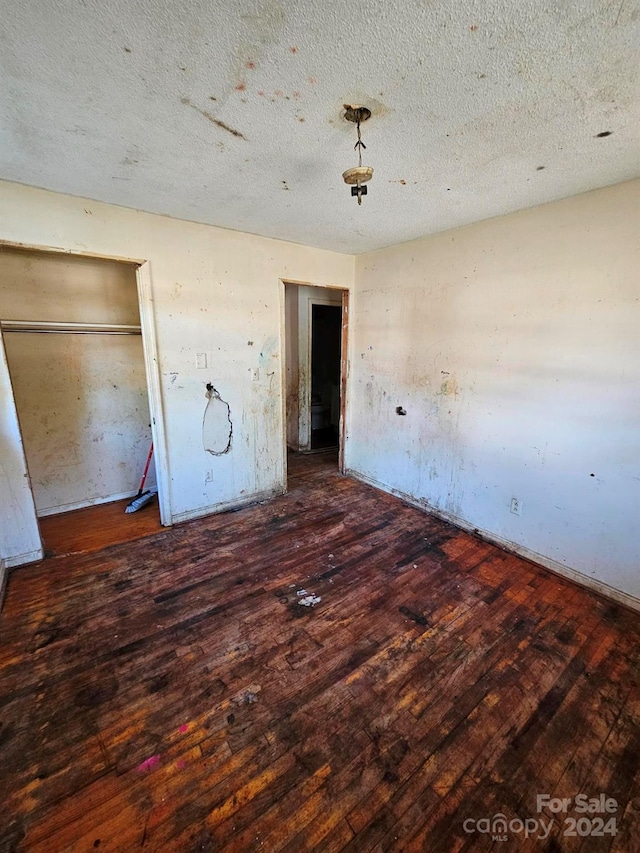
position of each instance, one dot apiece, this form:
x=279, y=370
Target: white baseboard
x=214, y=509
x=21, y=559
x=546, y=562
x=58, y=510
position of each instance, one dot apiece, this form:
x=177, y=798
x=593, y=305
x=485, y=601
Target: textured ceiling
x=229, y=112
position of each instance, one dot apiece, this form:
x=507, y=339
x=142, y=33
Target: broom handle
x=146, y=469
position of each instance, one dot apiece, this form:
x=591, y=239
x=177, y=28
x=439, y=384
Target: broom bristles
x=140, y=501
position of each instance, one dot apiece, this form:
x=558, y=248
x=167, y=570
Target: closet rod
x=46, y=327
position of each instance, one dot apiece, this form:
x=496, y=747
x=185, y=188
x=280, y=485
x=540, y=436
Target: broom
x=142, y=498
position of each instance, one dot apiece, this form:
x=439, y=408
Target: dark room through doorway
x=326, y=333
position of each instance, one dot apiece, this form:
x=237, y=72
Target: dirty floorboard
x=95, y=527
x=175, y=694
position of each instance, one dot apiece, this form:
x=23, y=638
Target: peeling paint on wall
x=217, y=427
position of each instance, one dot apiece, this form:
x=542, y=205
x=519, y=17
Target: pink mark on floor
x=148, y=764
x=184, y=728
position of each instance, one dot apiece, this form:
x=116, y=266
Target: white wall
x=514, y=346
x=19, y=533
x=217, y=297
x=81, y=399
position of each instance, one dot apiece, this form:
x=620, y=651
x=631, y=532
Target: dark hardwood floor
x=331, y=671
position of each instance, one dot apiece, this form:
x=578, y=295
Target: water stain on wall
x=449, y=387
x=217, y=427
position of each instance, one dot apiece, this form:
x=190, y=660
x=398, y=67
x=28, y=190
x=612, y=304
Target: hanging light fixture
x=358, y=175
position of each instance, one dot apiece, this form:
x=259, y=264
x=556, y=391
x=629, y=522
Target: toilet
x=319, y=414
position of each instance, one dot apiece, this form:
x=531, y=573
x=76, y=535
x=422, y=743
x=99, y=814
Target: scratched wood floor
x=173, y=694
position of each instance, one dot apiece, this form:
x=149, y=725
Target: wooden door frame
x=344, y=371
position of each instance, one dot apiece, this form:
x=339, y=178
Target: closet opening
x=73, y=341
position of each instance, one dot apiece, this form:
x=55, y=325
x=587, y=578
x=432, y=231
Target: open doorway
x=72, y=335
x=326, y=342
x=315, y=338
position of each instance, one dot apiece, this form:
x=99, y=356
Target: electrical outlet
x=201, y=361
x=208, y=476
x=516, y=506
x=255, y=374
